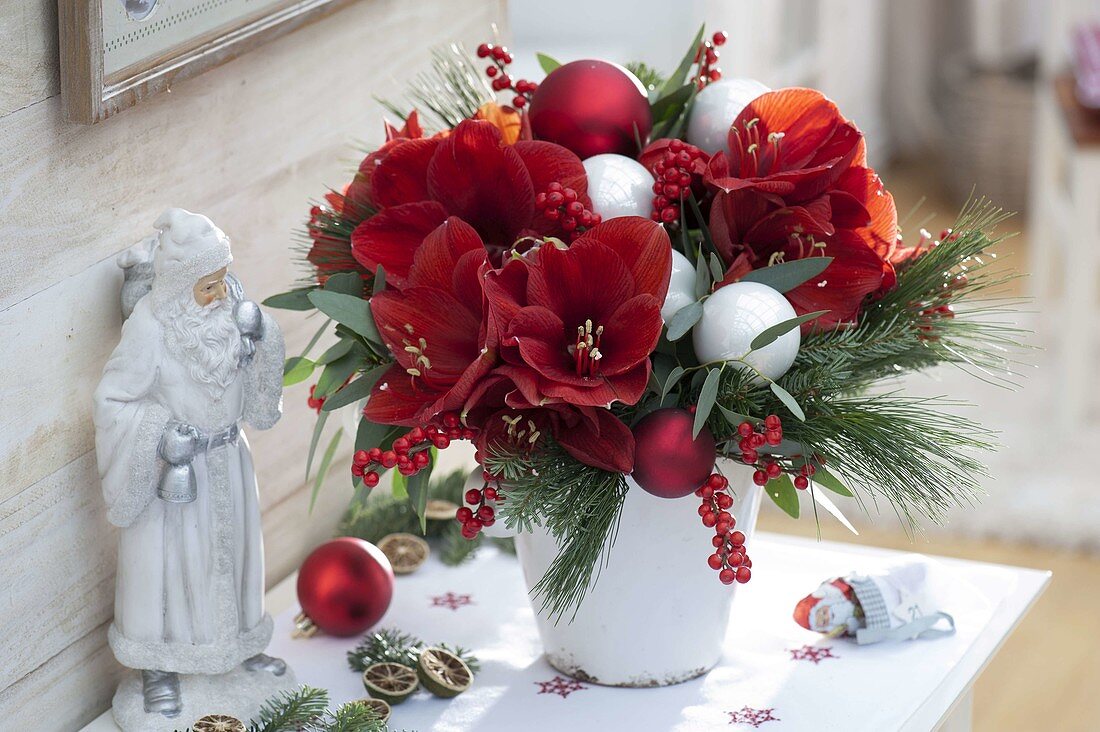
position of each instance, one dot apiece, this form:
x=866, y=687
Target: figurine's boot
x=264, y=662
x=161, y=690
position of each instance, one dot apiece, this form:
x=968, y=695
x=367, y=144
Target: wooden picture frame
x=92, y=90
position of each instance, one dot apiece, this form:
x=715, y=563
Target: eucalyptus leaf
x=783, y=493
x=322, y=470
x=337, y=350
x=358, y=389
x=824, y=501
x=668, y=106
x=679, y=77
x=399, y=485
x=733, y=417
x=317, y=429
x=296, y=369
x=345, y=283
x=788, y=401
x=770, y=335
x=293, y=300
x=707, y=395
x=786, y=276
x=717, y=271
x=348, y=310
x=335, y=374
x=417, y=488
x=683, y=320
x=379, y=280
x=702, y=277
x=828, y=480
x=548, y=63
x=673, y=377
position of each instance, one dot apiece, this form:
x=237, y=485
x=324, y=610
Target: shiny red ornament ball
x=667, y=462
x=591, y=107
x=345, y=586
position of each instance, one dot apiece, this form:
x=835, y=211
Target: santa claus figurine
x=196, y=361
x=891, y=603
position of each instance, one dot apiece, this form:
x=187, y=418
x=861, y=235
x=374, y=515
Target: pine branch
x=353, y=717
x=381, y=515
x=390, y=645
x=454, y=548
x=387, y=645
x=577, y=504
x=650, y=77
x=450, y=91
x=291, y=711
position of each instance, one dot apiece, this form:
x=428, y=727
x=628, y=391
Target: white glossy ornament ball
x=681, y=286
x=619, y=186
x=734, y=315
x=715, y=109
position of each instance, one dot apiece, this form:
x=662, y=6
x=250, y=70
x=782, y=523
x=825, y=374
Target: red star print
x=755, y=717
x=561, y=687
x=451, y=600
x=811, y=653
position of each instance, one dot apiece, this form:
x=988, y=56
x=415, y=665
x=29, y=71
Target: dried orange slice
x=406, y=552
x=390, y=682
x=437, y=509
x=443, y=673
x=380, y=708
x=218, y=723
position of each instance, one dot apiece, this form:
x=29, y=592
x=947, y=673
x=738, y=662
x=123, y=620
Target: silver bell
x=177, y=484
x=249, y=319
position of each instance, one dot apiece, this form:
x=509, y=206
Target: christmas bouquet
x=611, y=279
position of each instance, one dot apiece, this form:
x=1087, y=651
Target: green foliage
x=650, y=77
x=390, y=645
x=450, y=91
x=577, y=504
x=291, y=710
x=547, y=63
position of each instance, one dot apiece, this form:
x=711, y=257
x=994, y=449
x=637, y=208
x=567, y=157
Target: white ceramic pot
x=657, y=614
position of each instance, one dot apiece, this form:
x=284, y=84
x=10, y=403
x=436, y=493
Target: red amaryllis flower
x=577, y=325
x=471, y=173
x=434, y=329
x=794, y=185
x=592, y=435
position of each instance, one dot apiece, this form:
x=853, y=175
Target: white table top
x=913, y=686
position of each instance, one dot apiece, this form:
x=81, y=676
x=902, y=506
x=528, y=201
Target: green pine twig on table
x=390, y=645
x=291, y=710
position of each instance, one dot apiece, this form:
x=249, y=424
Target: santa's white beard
x=207, y=339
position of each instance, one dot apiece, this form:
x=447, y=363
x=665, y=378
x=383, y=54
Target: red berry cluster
x=497, y=71
x=769, y=432
x=729, y=558
x=675, y=174
x=707, y=59
x=559, y=203
x=410, y=453
x=315, y=403
x=481, y=514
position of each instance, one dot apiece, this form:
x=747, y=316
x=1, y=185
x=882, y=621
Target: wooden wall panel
x=28, y=53
x=248, y=144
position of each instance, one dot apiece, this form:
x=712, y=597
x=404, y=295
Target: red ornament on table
x=591, y=107
x=344, y=587
x=667, y=462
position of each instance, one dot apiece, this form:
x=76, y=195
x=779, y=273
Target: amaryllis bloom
x=578, y=325
x=472, y=174
x=592, y=435
x=434, y=328
x=795, y=185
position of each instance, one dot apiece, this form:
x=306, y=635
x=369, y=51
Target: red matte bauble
x=667, y=462
x=591, y=107
x=345, y=586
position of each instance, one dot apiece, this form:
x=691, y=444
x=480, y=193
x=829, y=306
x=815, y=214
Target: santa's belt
x=221, y=438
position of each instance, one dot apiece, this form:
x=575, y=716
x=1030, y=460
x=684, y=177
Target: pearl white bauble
x=619, y=186
x=681, y=286
x=715, y=109
x=734, y=315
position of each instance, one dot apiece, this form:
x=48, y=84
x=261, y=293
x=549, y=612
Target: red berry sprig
x=479, y=513
x=706, y=57
x=559, y=203
x=770, y=432
x=410, y=453
x=501, y=80
x=315, y=403
x=729, y=559
x=676, y=172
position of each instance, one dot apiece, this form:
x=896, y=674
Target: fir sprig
x=390, y=645
x=577, y=504
x=451, y=90
x=291, y=710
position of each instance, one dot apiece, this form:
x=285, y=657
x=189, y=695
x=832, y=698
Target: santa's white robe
x=190, y=584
